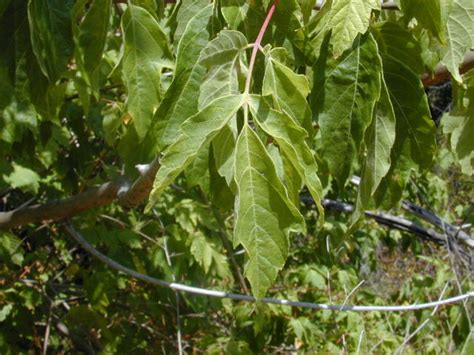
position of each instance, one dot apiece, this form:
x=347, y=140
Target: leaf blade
x=146, y=50
x=196, y=131
x=265, y=215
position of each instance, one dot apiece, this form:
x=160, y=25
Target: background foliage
x=90, y=88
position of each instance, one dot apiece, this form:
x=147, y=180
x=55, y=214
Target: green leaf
x=146, y=53
x=181, y=99
x=347, y=19
x=415, y=141
x=379, y=141
x=287, y=21
x=90, y=34
x=224, y=150
x=187, y=9
x=291, y=139
x=3, y=6
x=462, y=140
x=51, y=35
x=351, y=88
x=234, y=12
x=265, y=215
x=224, y=58
x=10, y=250
x=202, y=251
x=197, y=173
x=23, y=178
x=195, y=133
x=5, y=311
x=428, y=13
x=460, y=124
x=460, y=36
x=289, y=90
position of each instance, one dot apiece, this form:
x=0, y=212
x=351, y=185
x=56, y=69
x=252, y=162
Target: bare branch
x=60, y=209
x=120, y=190
x=451, y=231
x=246, y=298
x=141, y=187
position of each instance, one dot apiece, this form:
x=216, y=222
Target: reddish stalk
x=257, y=44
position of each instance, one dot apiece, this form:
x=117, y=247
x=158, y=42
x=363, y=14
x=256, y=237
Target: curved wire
x=239, y=297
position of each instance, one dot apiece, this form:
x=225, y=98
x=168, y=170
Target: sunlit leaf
x=181, y=98
x=224, y=59
x=460, y=36
x=196, y=131
x=234, y=12
x=291, y=139
x=187, y=9
x=346, y=19
x=428, y=13
x=265, y=215
x=23, y=178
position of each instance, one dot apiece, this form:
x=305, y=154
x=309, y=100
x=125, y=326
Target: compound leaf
x=196, y=132
x=181, y=98
x=291, y=139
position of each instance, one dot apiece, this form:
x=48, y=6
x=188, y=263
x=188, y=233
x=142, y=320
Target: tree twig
x=451, y=231
x=246, y=298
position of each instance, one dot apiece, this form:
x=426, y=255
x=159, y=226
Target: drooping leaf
x=288, y=89
x=379, y=141
x=348, y=96
x=51, y=35
x=146, y=53
x=415, y=141
x=90, y=33
x=222, y=57
x=196, y=131
x=181, y=98
x=346, y=19
x=291, y=139
x=265, y=215
x=427, y=13
x=460, y=36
